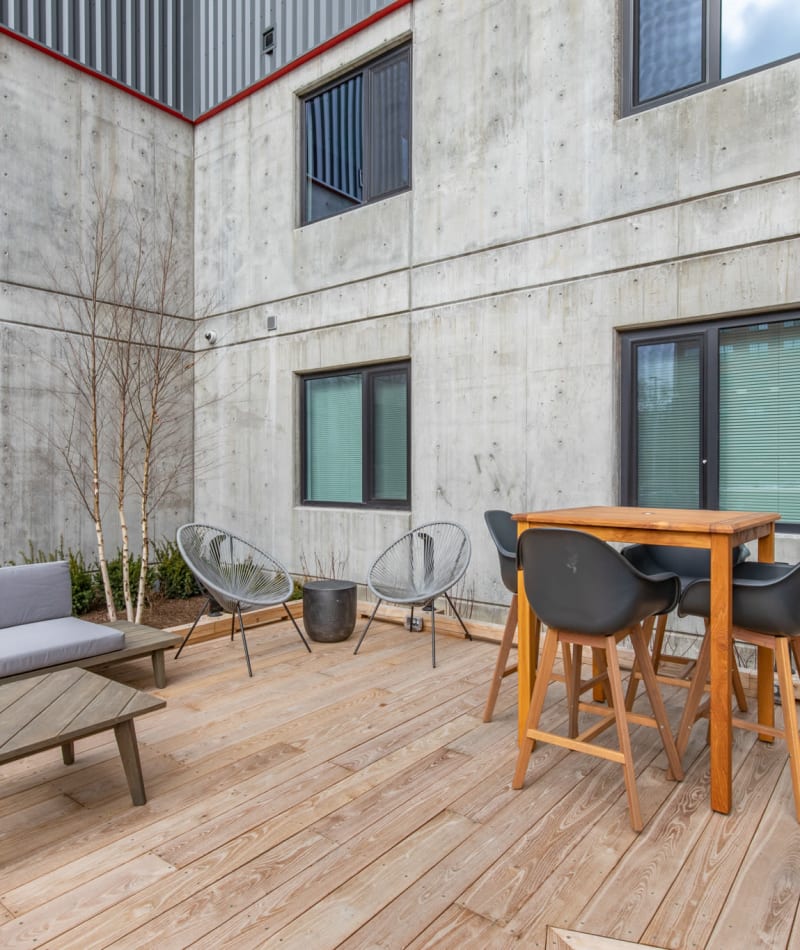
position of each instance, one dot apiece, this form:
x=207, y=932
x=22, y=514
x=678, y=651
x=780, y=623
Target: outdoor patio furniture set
x=586, y=592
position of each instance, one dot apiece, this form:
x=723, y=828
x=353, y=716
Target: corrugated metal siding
x=190, y=55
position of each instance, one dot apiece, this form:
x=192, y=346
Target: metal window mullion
x=710, y=421
x=713, y=26
x=367, y=442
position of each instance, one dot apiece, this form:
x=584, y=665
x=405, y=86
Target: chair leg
x=191, y=629
x=572, y=678
x=543, y=675
x=467, y=634
x=364, y=631
x=501, y=668
x=433, y=634
x=623, y=735
x=697, y=688
x=244, y=639
x=633, y=682
x=790, y=734
x=675, y=769
x=296, y=627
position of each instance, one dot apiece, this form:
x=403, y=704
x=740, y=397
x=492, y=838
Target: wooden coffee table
x=55, y=709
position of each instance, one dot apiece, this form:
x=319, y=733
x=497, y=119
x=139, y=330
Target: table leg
x=766, y=679
x=129, y=753
x=721, y=727
x=159, y=669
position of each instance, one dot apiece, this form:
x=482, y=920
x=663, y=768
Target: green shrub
x=174, y=577
x=115, y=578
x=86, y=592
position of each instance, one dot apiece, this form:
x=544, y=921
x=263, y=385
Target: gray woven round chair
x=417, y=568
x=236, y=574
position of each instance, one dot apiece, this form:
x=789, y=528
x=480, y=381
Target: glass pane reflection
x=757, y=32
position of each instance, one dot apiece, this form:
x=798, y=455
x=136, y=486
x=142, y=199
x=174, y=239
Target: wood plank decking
x=359, y=801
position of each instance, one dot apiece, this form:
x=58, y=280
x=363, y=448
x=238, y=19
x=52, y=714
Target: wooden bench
x=140, y=641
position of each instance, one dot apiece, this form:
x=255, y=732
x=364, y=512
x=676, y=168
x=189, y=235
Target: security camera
x=211, y=336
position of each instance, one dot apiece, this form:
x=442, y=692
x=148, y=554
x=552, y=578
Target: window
x=355, y=437
x=357, y=138
x=675, y=47
x=711, y=416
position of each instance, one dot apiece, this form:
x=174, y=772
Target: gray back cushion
x=33, y=592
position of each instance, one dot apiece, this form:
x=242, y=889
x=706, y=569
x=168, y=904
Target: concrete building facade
x=544, y=221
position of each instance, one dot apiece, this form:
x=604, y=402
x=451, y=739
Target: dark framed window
x=355, y=437
x=676, y=47
x=711, y=416
x=357, y=138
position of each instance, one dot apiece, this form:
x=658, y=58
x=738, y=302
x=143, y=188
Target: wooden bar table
x=717, y=531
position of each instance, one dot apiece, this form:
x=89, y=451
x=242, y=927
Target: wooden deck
x=359, y=801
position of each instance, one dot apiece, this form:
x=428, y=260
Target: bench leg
x=159, y=669
x=125, y=735
x=68, y=752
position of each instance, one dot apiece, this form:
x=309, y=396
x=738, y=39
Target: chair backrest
x=503, y=531
x=422, y=564
x=231, y=569
x=766, y=598
x=688, y=563
x=574, y=581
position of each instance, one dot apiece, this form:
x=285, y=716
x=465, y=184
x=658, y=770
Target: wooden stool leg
x=500, y=667
x=572, y=677
x=618, y=701
x=789, y=715
x=696, y=691
x=537, y=705
x=738, y=688
x=675, y=769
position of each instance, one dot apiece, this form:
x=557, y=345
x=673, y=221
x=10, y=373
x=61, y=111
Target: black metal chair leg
x=467, y=634
x=191, y=629
x=433, y=634
x=244, y=640
x=364, y=633
x=296, y=627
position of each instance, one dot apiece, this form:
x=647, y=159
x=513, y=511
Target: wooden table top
x=43, y=711
x=689, y=520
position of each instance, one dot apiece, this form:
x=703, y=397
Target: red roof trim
x=294, y=64
x=311, y=54
x=21, y=38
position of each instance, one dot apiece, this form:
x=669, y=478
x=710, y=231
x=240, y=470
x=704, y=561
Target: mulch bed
x=161, y=612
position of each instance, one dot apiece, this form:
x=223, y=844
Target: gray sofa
x=37, y=629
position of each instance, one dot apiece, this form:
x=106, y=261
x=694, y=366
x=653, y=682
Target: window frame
x=369, y=498
x=708, y=333
x=710, y=65
x=366, y=70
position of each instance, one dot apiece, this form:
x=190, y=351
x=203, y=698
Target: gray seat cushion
x=33, y=646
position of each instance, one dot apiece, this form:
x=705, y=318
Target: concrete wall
x=539, y=224
x=63, y=135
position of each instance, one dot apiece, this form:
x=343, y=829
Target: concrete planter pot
x=329, y=610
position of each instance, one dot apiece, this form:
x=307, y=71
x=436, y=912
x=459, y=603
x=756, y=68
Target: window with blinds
x=711, y=416
x=357, y=138
x=355, y=437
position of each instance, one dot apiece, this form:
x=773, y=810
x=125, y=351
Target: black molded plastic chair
x=503, y=532
x=589, y=595
x=423, y=564
x=766, y=613
x=236, y=574
x=689, y=564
